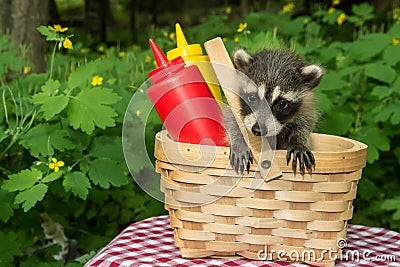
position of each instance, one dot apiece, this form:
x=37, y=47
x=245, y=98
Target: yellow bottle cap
x=183, y=48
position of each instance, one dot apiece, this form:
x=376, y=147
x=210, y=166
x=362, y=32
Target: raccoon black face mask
x=285, y=83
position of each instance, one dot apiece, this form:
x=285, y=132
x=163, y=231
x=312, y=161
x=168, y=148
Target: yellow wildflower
x=288, y=7
x=58, y=28
x=172, y=36
x=236, y=39
x=67, y=43
x=27, y=69
x=83, y=50
x=395, y=41
x=165, y=34
x=147, y=59
x=224, y=39
x=97, y=80
x=305, y=21
x=138, y=112
x=121, y=53
x=341, y=18
x=241, y=27
x=56, y=165
x=155, y=64
x=396, y=13
x=331, y=10
x=101, y=49
x=335, y=2
x=228, y=10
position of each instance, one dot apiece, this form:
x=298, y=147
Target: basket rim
x=342, y=154
x=162, y=136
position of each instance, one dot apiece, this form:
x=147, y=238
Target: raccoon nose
x=257, y=130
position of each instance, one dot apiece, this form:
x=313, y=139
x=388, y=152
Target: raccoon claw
x=241, y=161
x=304, y=157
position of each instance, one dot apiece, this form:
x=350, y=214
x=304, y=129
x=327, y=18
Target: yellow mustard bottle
x=193, y=54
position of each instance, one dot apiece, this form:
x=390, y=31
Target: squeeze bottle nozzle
x=165, y=66
x=192, y=54
x=159, y=56
x=180, y=37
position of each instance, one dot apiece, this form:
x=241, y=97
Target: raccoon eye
x=282, y=104
x=252, y=98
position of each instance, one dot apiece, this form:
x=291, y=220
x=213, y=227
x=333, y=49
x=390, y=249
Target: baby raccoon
x=285, y=82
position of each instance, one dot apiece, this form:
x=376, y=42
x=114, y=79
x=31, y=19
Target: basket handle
x=262, y=152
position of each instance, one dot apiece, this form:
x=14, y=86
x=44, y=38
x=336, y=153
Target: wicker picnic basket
x=216, y=212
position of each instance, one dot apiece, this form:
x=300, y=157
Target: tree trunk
x=26, y=16
x=244, y=6
x=132, y=20
x=5, y=16
x=96, y=18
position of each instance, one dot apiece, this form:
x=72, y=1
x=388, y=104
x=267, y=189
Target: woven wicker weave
x=216, y=212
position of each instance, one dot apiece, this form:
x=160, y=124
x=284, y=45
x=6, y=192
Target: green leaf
x=329, y=53
x=91, y=108
x=367, y=189
x=77, y=183
x=324, y=102
x=389, y=110
x=23, y=180
x=395, y=119
x=391, y=204
x=50, y=87
x=41, y=140
x=381, y=91
x=391, y=55
x=396, y=215
x=369, y=46
x=6, y=210
x=376, y=140
x=82, y=75
x=292, y=27
x=376, y=137
x=9, y=246
x=108, y=147
x=52, y=177
x=332, y=81
x=355, y=20
x=363, y=10
x=31, y=196
x=105, y=171
x=337, y=123
x=51, y=105
x=380, y=72
x=44, y=30
x=394, y=30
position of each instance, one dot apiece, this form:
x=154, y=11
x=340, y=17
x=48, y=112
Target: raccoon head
x=281, y=91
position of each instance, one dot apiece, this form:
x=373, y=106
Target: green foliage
x=60, y=132
x=61, y=151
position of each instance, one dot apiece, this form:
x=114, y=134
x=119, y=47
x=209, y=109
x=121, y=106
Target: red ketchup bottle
x=184, y=102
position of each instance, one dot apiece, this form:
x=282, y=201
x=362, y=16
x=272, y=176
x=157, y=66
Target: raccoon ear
x=312, y=75
x=242, y=60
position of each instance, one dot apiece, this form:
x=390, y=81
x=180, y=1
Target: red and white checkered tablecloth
x=151, y=243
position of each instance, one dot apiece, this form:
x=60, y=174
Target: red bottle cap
x=165, y=67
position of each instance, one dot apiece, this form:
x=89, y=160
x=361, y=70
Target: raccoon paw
x=304, y=156
x=240, y=159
